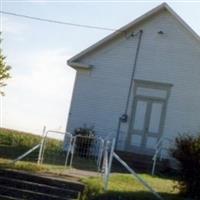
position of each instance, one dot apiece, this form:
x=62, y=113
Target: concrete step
x=26, y=194
x=63, y=184
x=140, y=162
x=18, y=185
x=5, y=197
x=37, y=187
x=135, y=156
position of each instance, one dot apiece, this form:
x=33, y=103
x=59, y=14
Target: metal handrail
x=159, y=149
x=32, y=149
x=107, y=161
x=135, y=175
x=26, y=153
x=43, y=144
x=109, y=155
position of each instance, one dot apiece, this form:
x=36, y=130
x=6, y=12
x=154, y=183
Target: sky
x=39, y=92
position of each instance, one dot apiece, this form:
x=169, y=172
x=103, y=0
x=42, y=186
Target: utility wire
x=57, y=22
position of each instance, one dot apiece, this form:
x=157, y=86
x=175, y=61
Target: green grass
x=21, y=165
x=121, y=187
x=124, y=187
x=32, y=167
x=15, y=143
x=11, y=137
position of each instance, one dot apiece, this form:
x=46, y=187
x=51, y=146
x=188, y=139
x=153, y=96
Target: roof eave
x=77, y=65
x=131, y=25
x=117, y=32
x=187, y=27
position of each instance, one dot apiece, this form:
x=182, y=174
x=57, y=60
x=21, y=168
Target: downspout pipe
x=124, y=117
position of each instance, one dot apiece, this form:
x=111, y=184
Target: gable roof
x=164, y=6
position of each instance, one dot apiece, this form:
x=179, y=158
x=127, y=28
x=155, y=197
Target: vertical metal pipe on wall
x=123, y=118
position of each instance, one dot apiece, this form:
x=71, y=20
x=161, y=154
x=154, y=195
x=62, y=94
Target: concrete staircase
x=15, y=185
x=142, y=163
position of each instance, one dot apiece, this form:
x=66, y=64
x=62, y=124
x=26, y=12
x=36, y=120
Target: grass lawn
x=31, y=166
x=15, y=143
x=125, y=187
x=121, y=186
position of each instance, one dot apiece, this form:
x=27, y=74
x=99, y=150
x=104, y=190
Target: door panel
x=136, y=139
x=138, y=122
x=140, y=113
x=146, y=123
x=151, y=142
x=154, y=123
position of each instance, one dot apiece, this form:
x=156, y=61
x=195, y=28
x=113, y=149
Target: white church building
x=140, y=83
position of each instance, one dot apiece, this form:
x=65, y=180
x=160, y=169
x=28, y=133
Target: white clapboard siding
x=174, y=57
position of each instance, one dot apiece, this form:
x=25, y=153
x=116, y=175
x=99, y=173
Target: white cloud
x=42, y=94
x=47, y=71
x=13, y=27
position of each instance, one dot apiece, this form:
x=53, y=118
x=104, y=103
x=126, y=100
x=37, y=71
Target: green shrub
x=85, y=131
x=187, y=152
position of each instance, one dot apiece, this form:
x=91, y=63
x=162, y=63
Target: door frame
x=136, y=97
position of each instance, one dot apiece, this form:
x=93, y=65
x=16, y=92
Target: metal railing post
x=44, y=145
x=154, y=163
x=72, y=151
x=110, y=164
x=100, y=154
x=68, y=150
x=105, y=164
x=41, y=146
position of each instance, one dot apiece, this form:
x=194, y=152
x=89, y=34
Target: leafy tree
x=4, y=70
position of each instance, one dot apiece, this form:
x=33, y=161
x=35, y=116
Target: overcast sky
x=39, y=92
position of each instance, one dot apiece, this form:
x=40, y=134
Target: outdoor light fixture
x=160, y=32
x=124, y=118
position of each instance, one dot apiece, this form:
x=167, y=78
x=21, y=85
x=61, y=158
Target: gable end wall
x=174, y=57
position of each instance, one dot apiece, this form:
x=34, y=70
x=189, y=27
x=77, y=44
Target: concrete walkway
x=71, y=174
x=81, y=173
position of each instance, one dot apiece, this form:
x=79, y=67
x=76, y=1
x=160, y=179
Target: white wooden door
x=146, y=123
